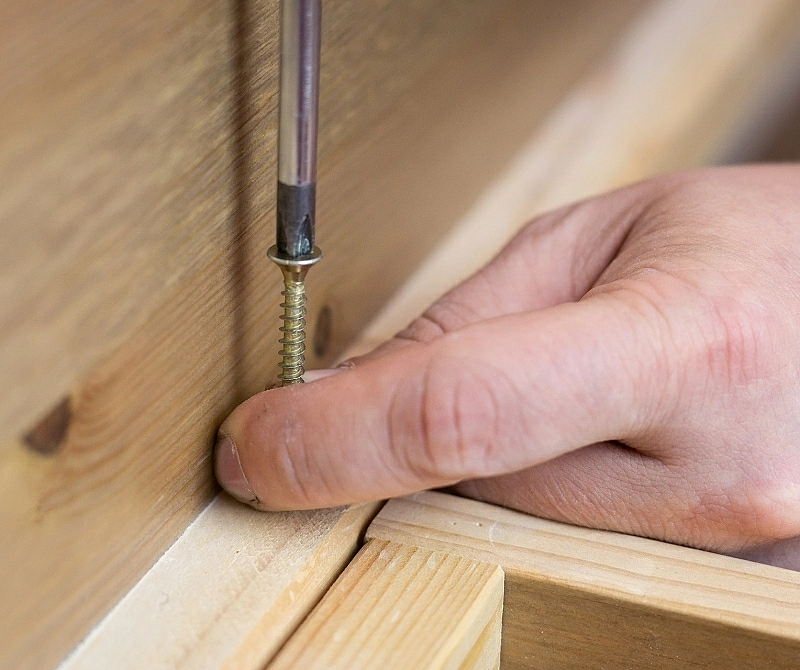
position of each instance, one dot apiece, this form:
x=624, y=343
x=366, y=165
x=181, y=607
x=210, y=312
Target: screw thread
x=294, y=335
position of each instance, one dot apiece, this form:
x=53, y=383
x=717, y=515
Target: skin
x=630, y=362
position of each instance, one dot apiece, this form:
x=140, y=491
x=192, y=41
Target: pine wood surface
x=137, y=171
x=581, y=598
x=229, y=592
x=401, y=607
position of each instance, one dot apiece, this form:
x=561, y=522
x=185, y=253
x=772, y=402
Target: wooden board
x=138, y=147
x=580, y=598
x=229, y=592
x=137, y=160
x=398, y=607
x=137, y=170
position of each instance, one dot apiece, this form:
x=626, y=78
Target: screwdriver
x=294, y=250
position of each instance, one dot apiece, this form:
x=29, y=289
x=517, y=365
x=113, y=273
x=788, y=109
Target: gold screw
x=293, y=340
x=294, y=335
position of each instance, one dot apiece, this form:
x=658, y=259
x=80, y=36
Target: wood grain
x=130, y=133
x=137, y=172
x=138, y=149
x=229, y=592
x=580, y=598
x=401, y=607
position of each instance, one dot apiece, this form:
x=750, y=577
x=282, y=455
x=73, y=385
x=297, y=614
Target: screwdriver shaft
x=297, y=126
x=294, y=250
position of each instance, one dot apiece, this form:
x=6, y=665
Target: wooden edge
x=400, y=606
x=229, y=592
x=486, y=651
x=578, y=596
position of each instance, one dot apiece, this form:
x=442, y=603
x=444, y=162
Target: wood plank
x=401, y=607
x=229, y=592
x=138, y=148
x=131, y=133
x=137, y=184
x=581, y=598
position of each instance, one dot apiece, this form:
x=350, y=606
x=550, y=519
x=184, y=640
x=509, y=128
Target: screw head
x=294, y=261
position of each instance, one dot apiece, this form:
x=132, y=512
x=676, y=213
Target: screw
x=294, y=335
x=293, y=341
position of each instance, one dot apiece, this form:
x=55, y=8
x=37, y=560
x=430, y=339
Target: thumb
x=491, y=398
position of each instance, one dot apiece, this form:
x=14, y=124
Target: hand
x=631, y=362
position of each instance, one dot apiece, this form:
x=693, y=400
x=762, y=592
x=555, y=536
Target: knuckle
x=422, y=329
x=694, y=340
x=290, y=475
x=459, y=419
x=739, y=346
x=292, y=472
x=772, y=508
x=747, y=509
x=449, y=313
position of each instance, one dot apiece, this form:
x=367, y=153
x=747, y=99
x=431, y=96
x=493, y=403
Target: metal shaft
x=294, y=251
x=297, y=130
